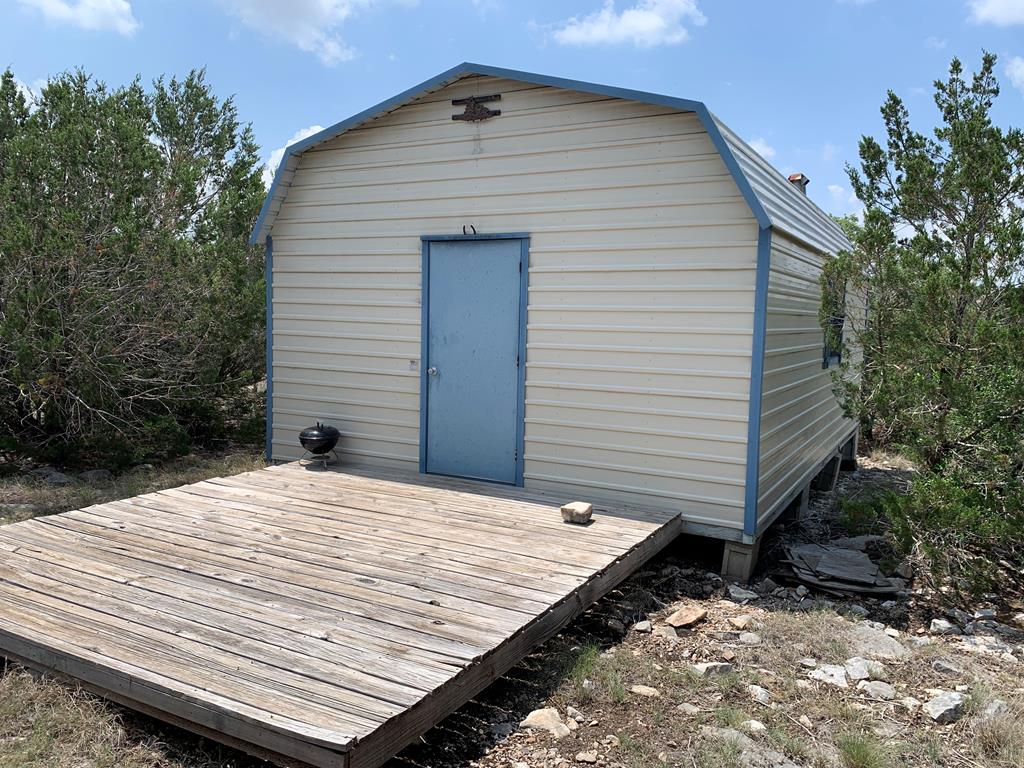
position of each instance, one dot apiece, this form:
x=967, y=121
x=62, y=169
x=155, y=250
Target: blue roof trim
x=753, y=201
x=265, y=219
x=337, y=129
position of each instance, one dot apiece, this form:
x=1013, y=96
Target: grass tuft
x=860, y=751
x=1001, y=737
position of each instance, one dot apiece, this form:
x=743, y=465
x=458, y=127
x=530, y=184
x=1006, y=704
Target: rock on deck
x=323, y=618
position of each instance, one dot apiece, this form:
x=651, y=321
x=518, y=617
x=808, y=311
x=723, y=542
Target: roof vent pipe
x=799, y=181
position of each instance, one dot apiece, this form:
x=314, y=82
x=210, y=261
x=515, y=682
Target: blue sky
x=801, y=79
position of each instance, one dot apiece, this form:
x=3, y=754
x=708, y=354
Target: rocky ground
x=677, y=668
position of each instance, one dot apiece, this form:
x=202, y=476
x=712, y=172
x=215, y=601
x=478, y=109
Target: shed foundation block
x=739, y=560
x=826, y=479
x=803, y=502
x=848, y=453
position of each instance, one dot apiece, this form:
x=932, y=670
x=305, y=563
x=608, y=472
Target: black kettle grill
x=319, y=441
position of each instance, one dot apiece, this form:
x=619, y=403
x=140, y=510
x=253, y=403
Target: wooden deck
x=320, y=618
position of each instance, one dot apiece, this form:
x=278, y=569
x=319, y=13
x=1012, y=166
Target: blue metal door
x=474, y=305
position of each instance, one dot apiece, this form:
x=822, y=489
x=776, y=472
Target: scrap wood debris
x=838, y=570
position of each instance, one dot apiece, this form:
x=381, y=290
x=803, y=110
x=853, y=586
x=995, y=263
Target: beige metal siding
x=641, y=285
x=801, y=421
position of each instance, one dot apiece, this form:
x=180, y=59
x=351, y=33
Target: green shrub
x=131, y=304
x=935, y=321
x=963, y=529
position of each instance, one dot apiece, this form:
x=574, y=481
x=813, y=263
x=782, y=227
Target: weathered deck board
x=323, y=618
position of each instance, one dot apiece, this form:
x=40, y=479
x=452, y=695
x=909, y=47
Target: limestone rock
x=688, y=709
x=910, y=704
x=575, y=714
x=960, y=617
x=751, y=755
x=666, y=632
x=943, y=627
x=859, y=668
x=750, y=638
x=741, y=622
x=944, y=667
x=645, y=690
x=546, y=719
x=871, y=642
x=759, y=694
x=876, y=689
x=739, y=594
x=946, y=707
x=642, y=626
x=687, y=617
x=832, y=674
x=809, y=663
x=753, y=726
x=587, y=757
x=577, y=512
x=708, y=668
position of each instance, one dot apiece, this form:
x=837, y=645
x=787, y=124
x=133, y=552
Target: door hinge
x=515, y=456
x=517, y=361
x=520, y=267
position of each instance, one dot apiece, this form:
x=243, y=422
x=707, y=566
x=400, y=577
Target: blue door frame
x=524, y=245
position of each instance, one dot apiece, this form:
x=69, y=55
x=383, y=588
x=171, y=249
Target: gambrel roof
x=774, y=201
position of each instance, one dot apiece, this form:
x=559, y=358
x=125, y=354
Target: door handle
x=432, y=371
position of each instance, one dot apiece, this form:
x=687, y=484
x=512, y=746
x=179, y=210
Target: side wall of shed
x=801, y=421
x=641, y=284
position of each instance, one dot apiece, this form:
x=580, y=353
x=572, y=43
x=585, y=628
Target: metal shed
x=559, y=285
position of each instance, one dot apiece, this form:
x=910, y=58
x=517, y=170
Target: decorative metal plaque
x=475, y=110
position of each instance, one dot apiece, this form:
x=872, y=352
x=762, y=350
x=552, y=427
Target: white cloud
x=843, y=202
x=843, y=198
x=31, y=91
x=114, y=15
x=313, y=26
x=25, y=90
x=1015, y=71
x=762, y=147
x=936, y=43
x=278, y=154
x=1002, y=13
x=646, y=24
x=829, y=152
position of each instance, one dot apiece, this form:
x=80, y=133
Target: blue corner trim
x=268, y=271
x=524, y=290
x=277, y=192
x=752, y=483
x=524, y=255
x=424, y=347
